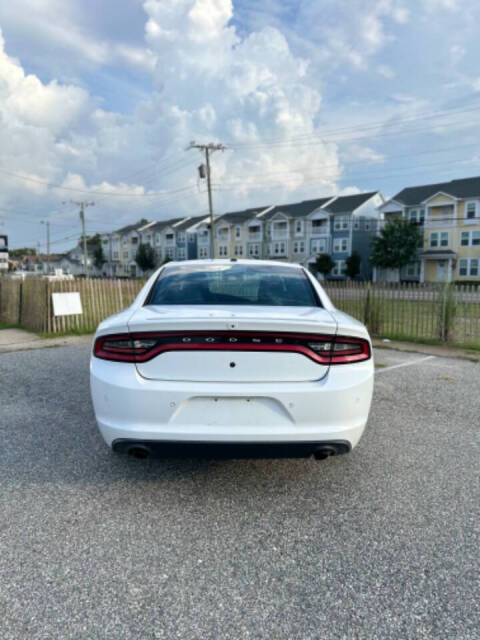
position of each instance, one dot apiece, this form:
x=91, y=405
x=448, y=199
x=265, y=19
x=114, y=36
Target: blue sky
x=311, y=98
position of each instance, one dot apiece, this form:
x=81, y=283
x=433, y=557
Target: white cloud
x=449, y=5
x=386, y=71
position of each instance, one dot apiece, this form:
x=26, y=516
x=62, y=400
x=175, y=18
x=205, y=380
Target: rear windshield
x=220, y=284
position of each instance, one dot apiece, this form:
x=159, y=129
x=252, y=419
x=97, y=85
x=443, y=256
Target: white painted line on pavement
x=404, y=364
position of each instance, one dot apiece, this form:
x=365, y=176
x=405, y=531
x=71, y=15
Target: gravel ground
x=382, y=543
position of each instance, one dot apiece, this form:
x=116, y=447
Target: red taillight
x=347, y=350
x=123, y=347
x=140, y=347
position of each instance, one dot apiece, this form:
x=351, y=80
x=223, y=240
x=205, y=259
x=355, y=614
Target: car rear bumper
x=130, y=408
x=225, y=450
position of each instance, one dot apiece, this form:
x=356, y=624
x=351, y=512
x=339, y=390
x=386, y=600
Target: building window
x=367, y=225
x=125, y=254
x=340, y=223
x=468, y=267
x=181, y=253
x=434, y=239
x=356, y=224
x=444, y=239
x=416, y=216
x=203, y=252
x=339, y=268
x=239, y=250
x=105, y=241
x=470, y=238
x=170, y=253
x=471, y=210
x=134, y=240
x=279, y=249
x=170, y=238
x=222, y=233
x=238, y=232
x=319, y=245
x=413, y=269
x=223, y=250
x=299, y=246
x=115, y=255
x=299, y=227
x=253, y=250
x=340, y=245
x=157, y=238
x=181, y=236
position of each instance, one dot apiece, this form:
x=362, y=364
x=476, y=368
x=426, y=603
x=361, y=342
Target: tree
x=98, y=256
x=22, y=251
x=397, y=245
x=353, y=263
x=145, y=257
x=324, y=264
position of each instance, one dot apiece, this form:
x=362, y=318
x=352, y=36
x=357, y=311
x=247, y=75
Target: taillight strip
x=141, y=354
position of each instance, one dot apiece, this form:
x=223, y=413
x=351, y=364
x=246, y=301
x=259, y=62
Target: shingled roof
x=298, y=209
x=346, y=204
x=237, y=217
x=463, y=188
x=188, y=222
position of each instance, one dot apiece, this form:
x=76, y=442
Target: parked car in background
x=237, y=358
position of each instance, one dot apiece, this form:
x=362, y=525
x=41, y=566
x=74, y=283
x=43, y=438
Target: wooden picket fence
x=420, y=312
x=28, y=303
x=411, y=311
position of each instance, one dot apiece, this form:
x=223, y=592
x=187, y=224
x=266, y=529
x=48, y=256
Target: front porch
x=437, y=266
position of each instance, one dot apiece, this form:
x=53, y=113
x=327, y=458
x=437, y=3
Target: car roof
x=209, y=262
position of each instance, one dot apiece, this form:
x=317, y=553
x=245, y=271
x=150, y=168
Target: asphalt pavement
x=381, y=543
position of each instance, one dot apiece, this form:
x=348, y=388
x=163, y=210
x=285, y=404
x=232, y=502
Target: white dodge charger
x=236, y=358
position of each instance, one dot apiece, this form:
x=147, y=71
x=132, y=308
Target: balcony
x=254, y=236
x=440, y=217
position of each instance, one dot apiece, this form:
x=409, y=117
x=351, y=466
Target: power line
x=362, y=127
x=93, y=191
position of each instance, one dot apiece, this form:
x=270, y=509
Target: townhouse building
x=120, y=248
x=173, y=239
x=299, y=232
x=295, y=232
x=239, y=234
x=448, y=216
x=354, y=221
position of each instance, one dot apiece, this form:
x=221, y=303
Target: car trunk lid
x=219, y=344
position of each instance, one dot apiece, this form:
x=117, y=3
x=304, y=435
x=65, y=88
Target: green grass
x=63, y=334
x=7, y=325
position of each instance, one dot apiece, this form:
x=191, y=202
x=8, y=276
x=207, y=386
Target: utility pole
x=207, y=149
x=47, y=228
x=83, y=205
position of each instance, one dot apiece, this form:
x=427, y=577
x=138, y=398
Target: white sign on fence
x=66, y=304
